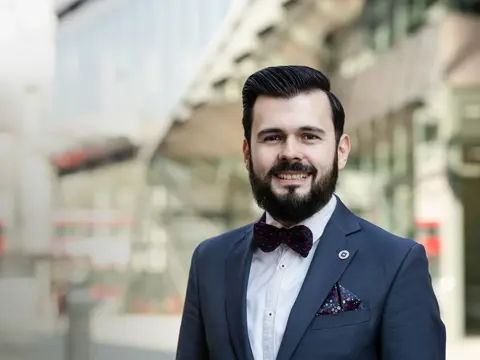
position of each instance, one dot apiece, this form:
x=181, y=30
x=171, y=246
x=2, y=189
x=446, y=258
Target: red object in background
x=432, y=245
x=100, y=291
x=428, y=236
x=173, y=305
x=141, y=306
x=69, y=159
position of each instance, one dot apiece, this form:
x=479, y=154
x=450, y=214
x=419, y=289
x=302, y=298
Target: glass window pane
x=400, y=20
x=382, y=36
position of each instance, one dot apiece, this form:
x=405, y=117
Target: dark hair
x=287, y=82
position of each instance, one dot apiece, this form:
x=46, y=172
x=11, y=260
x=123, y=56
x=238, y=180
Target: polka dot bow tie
x=268, y=238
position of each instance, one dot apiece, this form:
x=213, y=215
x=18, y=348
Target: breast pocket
x=347, y=318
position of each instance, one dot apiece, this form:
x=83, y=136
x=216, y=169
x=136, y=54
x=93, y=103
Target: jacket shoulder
x=386, y=252
x=382, y=239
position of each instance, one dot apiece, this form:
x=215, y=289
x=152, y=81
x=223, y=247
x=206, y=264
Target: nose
x=290, y=151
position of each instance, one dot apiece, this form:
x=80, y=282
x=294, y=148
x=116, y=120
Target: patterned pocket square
x=339, y=300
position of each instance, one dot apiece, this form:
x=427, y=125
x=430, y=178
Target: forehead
x=306, y=109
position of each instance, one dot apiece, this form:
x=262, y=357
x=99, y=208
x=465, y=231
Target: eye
x=271, y=138
x=310, y=137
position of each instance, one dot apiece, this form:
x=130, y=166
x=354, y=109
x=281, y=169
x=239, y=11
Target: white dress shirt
x=273, y=286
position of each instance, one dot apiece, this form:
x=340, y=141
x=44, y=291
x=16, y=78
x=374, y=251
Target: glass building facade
x=121, y=68
x=419, y=151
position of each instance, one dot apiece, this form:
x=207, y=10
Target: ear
x=343, y=150
x=246, y=153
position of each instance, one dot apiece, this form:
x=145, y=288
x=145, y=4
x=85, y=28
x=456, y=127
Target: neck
x=286, y=224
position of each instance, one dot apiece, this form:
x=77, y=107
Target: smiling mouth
x=292, y=176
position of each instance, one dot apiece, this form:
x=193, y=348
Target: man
x=309, y=280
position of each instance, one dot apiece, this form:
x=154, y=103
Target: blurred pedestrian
x=62, y=300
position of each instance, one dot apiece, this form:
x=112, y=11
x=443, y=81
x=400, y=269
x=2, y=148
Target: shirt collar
x=316, y=223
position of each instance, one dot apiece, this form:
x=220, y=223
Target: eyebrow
x=269, y=131
x=312, y=129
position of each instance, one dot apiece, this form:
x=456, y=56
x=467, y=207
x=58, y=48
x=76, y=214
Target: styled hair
x=287, y=82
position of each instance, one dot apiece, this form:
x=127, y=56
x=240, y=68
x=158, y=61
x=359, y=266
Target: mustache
x=291, y=166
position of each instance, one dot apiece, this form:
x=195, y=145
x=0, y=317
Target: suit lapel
x=236, y=277
x=325, y=270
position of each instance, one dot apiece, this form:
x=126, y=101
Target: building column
x=27, y=45
x=437, y=208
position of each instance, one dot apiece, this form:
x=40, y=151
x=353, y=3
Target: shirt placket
x=268, y=340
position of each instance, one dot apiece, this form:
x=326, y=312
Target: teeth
x=292, y=176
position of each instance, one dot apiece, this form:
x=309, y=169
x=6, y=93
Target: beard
x=292, y=207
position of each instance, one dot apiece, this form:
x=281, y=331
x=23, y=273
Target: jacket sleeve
x=411, y=326
x=192, y=344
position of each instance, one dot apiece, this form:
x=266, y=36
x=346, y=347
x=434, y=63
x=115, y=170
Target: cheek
x=322, y=170
x=262, y=162
x=259, y=168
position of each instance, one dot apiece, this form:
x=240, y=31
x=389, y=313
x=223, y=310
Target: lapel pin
x=344, y=254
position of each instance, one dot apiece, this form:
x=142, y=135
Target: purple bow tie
x=268, y=238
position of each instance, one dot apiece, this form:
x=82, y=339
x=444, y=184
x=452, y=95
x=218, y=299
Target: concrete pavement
x=147, y=332
x=52, y=348
x=464, y=350
x=115, y=336
x=153, y=332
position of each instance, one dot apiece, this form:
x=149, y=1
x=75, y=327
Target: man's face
x=293, y=159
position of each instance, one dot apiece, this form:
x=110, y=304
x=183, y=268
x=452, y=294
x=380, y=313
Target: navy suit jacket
x=399, y=318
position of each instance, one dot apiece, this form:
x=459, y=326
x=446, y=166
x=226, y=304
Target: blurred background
x=120, y=138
